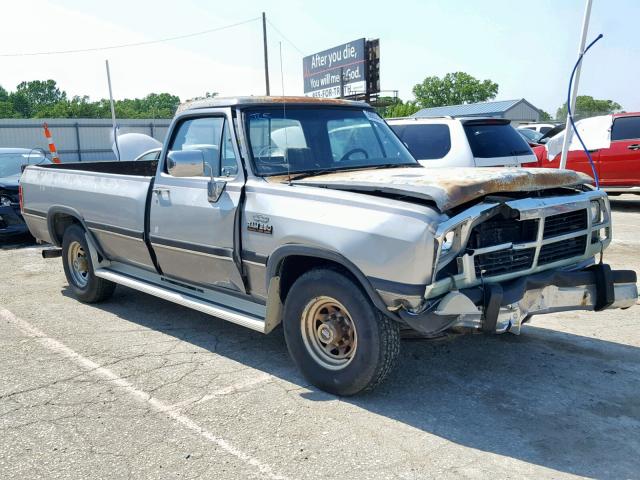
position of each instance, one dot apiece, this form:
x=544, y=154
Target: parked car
x=12, y=160
x=343, y=238
x=463, y=142
x=618, y=165
x=537, y=127
x=530, y=136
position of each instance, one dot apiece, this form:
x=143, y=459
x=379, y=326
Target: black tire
x=95, y=289
x=378, y=337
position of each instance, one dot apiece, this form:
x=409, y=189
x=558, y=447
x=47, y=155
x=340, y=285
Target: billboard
x=321, y=71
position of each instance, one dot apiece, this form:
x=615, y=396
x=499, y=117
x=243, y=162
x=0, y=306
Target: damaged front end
x=504, y=260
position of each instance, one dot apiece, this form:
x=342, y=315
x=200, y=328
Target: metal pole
x=113, y=110
x=77, y=125
x=266, y=56
x=574, y=89
x=341, y=82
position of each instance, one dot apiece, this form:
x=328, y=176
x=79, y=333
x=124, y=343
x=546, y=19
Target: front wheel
x=78, y=268
x=336, y=336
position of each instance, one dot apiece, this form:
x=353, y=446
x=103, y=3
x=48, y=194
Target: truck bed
x=110, y=197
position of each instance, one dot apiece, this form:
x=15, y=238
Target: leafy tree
x=400, y=109
x=6, y=110
x=41, y=92
x=587, y=106
x=6, y=107
x=544, y=116
x=453, y=89
x=21, y=105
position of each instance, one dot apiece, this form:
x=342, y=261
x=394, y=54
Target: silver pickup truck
x=311, y=213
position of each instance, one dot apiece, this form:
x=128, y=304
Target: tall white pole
x=574, y=89
x=113, y=110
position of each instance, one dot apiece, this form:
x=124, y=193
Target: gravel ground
x=140, y=388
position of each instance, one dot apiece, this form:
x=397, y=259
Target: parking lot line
x=236, y=387
x=93, y=368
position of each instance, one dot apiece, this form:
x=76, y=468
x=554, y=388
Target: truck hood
x=447, y=187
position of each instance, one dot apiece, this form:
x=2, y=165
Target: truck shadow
x=561, y=401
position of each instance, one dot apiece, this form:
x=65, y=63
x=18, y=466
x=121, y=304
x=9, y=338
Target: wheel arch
x=59, y=218
x=281, y=265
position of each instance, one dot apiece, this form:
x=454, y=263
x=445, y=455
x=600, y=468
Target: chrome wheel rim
x=78, y=264
x=329, y=333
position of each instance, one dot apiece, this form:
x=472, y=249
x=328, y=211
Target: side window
x=427, y=142
x=204, y=134
x=625, y=128
x=228, y=160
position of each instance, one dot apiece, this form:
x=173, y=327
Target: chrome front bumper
x=504, y=307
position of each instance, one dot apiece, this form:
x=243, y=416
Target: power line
x=126, y=45
x=285, y=38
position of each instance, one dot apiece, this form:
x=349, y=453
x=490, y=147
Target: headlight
x=447, y=242
x=596, y=212
x=5, y=201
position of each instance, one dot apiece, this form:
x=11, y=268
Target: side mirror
x=185, y=163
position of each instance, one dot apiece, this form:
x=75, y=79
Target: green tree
x=544, y=116
x=21, y=105
x=44, y=99
x=587, y=106
x=6, y=107
x=453, y=89
x=401, y=109
x=41, y=93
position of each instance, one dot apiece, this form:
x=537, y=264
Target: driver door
x=193, y=238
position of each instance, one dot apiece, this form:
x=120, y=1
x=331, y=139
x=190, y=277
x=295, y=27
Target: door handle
x=635, y=146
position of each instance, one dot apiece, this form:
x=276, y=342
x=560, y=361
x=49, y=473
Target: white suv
x=463, y=142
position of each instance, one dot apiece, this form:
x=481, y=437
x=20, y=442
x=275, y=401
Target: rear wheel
x=336, y=336
x=78, y=268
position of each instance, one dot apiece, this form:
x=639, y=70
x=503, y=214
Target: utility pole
x=266, y=56
x=574, y=89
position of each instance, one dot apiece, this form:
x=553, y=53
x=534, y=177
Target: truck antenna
x=113, y=112
x=284, y=117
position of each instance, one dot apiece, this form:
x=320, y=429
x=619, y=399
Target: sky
x=528, y=48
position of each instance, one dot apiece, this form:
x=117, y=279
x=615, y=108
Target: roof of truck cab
x=262, y=100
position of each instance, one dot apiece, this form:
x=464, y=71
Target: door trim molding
x=218, y=252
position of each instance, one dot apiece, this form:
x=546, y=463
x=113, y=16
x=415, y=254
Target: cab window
x=211, y=136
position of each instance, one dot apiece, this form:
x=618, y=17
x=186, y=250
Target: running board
x=187, y=300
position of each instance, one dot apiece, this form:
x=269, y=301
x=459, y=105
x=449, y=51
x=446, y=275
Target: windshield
x=306, y=140
x=530, y=134
x=11, y=163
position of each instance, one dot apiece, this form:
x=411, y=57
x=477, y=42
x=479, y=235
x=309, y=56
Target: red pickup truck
x=618, y=166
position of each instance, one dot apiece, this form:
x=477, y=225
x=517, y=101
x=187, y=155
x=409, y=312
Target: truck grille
x=564, y=223
x=504, y=261
x=503, y=230
x=552, y=252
